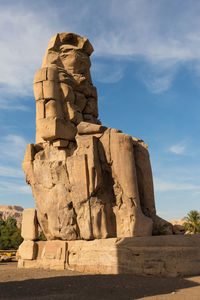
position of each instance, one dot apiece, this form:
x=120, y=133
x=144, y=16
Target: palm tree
x=192, y=222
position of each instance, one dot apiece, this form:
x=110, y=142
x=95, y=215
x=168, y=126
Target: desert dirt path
x=45, y=284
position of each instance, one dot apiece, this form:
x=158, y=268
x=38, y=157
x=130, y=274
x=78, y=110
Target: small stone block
x=52, y=129
x=67, y=92
x=52, y=74
x=91, y=107
x=80, y=101
x=40, y=75
x=88, y=128
x=29, y=224
x=28, y=250
x=54, y=250
x=38, y=90
x=40, y=109
x=94, y=92
x=30, y=152
x=50, y=109
x=60, y=143
x=51, y=90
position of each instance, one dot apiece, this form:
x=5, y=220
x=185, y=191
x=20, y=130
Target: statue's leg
x=144, y=178
x=129, y=217
x=146, y=190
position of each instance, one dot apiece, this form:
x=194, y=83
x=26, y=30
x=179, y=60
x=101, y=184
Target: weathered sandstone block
x=60, y=143
x=91, y=107
x=51, y=90
x=88, y=128
x=28, y=250
x=29, y=225
x=80, y=100
x=52, y=129
x=38, y=91
x=40, y=109
x=40, y=75
x=162, y=256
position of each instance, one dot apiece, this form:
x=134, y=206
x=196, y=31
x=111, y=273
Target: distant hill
x=178, y=226
x=13, y=211
x=177, y=222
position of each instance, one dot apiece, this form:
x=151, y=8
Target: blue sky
x=146, y=67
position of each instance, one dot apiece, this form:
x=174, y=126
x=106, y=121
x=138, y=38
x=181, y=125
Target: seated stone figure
x=88, y=181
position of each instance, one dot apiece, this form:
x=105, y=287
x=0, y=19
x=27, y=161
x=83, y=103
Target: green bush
x=10, y=235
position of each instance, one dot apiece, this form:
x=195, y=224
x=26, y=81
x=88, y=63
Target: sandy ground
x=45, y=284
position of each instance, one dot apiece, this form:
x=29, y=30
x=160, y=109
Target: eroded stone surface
x=63, y=88
x=28, y=250
x=162, y=256
x=88, y=181
x=29, y=224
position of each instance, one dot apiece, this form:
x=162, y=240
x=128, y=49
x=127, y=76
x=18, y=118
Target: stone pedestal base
x=166, y=256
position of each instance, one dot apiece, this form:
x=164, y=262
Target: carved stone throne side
x=88, y=181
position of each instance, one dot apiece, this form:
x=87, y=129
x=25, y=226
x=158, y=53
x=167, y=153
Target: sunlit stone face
x=74, y=61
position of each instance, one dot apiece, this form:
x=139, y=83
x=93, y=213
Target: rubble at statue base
x=89, y=182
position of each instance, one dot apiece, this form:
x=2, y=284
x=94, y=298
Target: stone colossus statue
x=88, y=181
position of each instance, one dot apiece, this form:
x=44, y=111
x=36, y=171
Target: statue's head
x=69, y=51
x=65, y=95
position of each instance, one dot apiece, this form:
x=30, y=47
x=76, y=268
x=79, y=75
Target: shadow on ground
x=94, y=287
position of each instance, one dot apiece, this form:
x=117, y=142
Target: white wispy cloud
x=6, y=186
x=162, y=185
x=24, y=37
x=158, y=76
x=6, y=171
x=10, y=104
x=177, y=149
x=165, y=36
x=12, y=147
x=107, y=73
x=158, y=85
x=156, y=32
